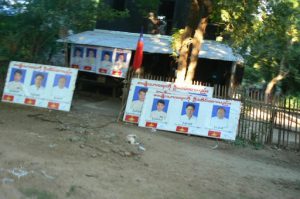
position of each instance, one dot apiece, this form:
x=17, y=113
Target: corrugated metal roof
x=152, y=43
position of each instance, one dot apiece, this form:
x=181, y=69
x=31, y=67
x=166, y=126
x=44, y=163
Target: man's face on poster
x=160, y=106
x=17, y=77
x=62, y=82
x=38, y=80
x=78, y=53
x=142, y=95
x=107, y=57
x=91, y=53
x=121, y=58
x=221, y=113
x=189, y=111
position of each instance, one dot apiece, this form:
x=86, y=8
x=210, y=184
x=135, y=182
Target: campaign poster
x=91, y=59
x=106, y=61
x=77, y=57
x=40, y=85
x=191, y=114
x=139, y=88
x=101, y=60
x=121, y=63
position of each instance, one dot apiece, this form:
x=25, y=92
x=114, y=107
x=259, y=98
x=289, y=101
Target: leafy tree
x=146, y=6
x=31, y=34
x=267, y=34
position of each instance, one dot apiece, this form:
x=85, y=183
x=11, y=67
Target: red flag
x=138, y=56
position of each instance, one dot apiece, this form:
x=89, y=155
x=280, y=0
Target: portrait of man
x=137, y=104
x=219, y=119
x=120, y=62
x=77, y=56
x=60, y=86
x=189, y=113
x=38, y=83
x=106, y=61
x=159, y=110
x=90, y=59
x=16, y=80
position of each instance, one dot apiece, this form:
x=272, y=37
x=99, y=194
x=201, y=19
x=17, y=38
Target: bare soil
x=84, y=154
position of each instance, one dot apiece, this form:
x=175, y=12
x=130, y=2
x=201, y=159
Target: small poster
x=191, y=114
x=77, y=57
x=121, y=63
x=91, y=59
x=139, y=88
x=106, y=61
x=40, y=85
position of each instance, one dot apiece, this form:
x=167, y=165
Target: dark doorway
x=119, y=5
x=166, y=9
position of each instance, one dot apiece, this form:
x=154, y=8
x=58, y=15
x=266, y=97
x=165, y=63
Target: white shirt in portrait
x=77, y=60
x=158, y=115
x=36, y=91
x=60, y=93
x=15, y=86
x=137, y=106
x=188, y=121
x=106, y=64
x=217, y=123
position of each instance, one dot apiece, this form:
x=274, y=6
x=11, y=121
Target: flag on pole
x=138, y=56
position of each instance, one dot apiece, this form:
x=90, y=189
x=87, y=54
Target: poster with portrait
x=107, y=57
x=191, y=114
x=91, y=59
x=40, y=85
x=121, y=63
x=139, y=88
x=77, y=57
x=101, y=60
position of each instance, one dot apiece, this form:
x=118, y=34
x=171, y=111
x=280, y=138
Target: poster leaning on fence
x=139, y=88
x=191, y=114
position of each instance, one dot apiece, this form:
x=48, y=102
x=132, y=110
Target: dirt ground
x=84, y=154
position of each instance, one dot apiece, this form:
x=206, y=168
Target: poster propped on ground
x=191, y=114
x=40, y=85
x=139, y=88
x=105, y=61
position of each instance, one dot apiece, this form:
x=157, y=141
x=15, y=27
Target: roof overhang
x=152, y=43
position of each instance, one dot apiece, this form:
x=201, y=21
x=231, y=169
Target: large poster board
x=40, y=85
x=191, y=114
x=139, y=88
x=106, y=61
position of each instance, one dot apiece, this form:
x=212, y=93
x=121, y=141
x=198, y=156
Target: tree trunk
x=197, y=43
x=183, y=55
x=199, y=11
x=282, y=74
x=186, y=40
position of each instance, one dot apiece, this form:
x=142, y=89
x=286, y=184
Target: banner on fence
x=106, y=61
x=191, y=114
x=40, y=85
x=139, y=88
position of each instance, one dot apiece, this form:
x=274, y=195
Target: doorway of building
x=167, y=8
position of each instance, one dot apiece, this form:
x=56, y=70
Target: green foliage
x=267, y=34
x=146, y=6
x=71, y=191
x=31, y=35
x=35, y=193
